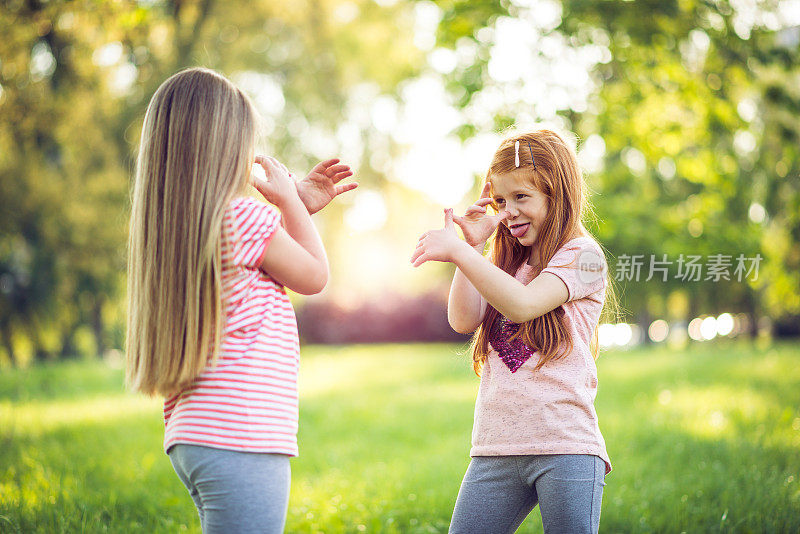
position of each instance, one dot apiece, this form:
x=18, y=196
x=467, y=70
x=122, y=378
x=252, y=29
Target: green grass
x=702, y=440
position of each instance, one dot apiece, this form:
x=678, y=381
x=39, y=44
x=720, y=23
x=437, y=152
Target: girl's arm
x=518, y=302
x=465, y=306
x=295, y=257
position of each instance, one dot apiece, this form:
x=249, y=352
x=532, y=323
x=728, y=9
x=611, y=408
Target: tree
x=695, y=114
x=75, y=77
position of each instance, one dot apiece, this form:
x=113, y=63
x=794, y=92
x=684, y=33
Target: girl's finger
x=487, y=187
x=339, y=189
x=266, y=163
x=280, y=165
x=461, y=222
x=272, y=163
x=420, y=260
x=339, y=176
x=322, y=165
x=483, y=202
x=260, y=183
x=472, y=210
x=330, y=171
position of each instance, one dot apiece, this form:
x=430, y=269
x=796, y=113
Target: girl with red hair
x=534, y=305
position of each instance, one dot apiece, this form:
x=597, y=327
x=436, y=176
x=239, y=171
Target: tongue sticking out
x=519, y=231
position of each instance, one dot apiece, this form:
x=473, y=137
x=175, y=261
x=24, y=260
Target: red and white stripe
x=248, y=400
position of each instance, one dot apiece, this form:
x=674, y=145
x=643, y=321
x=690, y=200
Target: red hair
x=557, y=176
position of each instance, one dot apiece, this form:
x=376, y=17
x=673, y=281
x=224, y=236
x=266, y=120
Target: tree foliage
x=696, y=105
x=75, y=77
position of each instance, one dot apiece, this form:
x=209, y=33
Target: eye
x=499, y=201
x=521, y=196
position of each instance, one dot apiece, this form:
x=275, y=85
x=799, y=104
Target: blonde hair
x=195, y=156
x=552, y=168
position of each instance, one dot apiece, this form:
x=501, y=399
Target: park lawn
x=704, y=439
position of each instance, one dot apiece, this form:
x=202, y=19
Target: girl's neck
x=533, y=258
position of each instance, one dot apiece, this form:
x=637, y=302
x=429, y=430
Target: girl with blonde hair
x=210, y=326
x=534, y=305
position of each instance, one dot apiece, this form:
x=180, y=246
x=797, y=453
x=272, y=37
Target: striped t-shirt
x=248, y=400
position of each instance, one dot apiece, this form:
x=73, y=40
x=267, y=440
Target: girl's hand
x=320, y=186
x=437, y=245
x=279, y=187
x=476, y=225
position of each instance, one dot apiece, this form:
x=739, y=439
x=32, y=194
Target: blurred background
x=685, y=118
x=684, y=115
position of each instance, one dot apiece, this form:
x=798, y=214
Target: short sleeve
x=254, y=224
x=581, y=265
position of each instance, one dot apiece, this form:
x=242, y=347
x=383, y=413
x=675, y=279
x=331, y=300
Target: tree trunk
x=97, y=326
x=752, y=314
x=68, y=343
x=39, y=352
x=5, y=332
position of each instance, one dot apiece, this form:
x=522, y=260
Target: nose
x=512, y=210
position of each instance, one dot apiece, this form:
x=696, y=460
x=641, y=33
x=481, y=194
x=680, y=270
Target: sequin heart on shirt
x=513, y=352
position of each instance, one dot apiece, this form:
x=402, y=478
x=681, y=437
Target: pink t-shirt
x=248, y=401
x=551, y=410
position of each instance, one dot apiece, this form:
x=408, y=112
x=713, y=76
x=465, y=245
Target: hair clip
x=532, y=160
x=516, y=154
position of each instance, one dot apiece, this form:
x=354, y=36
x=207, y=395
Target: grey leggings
x=498, y=492
x=235, y=492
